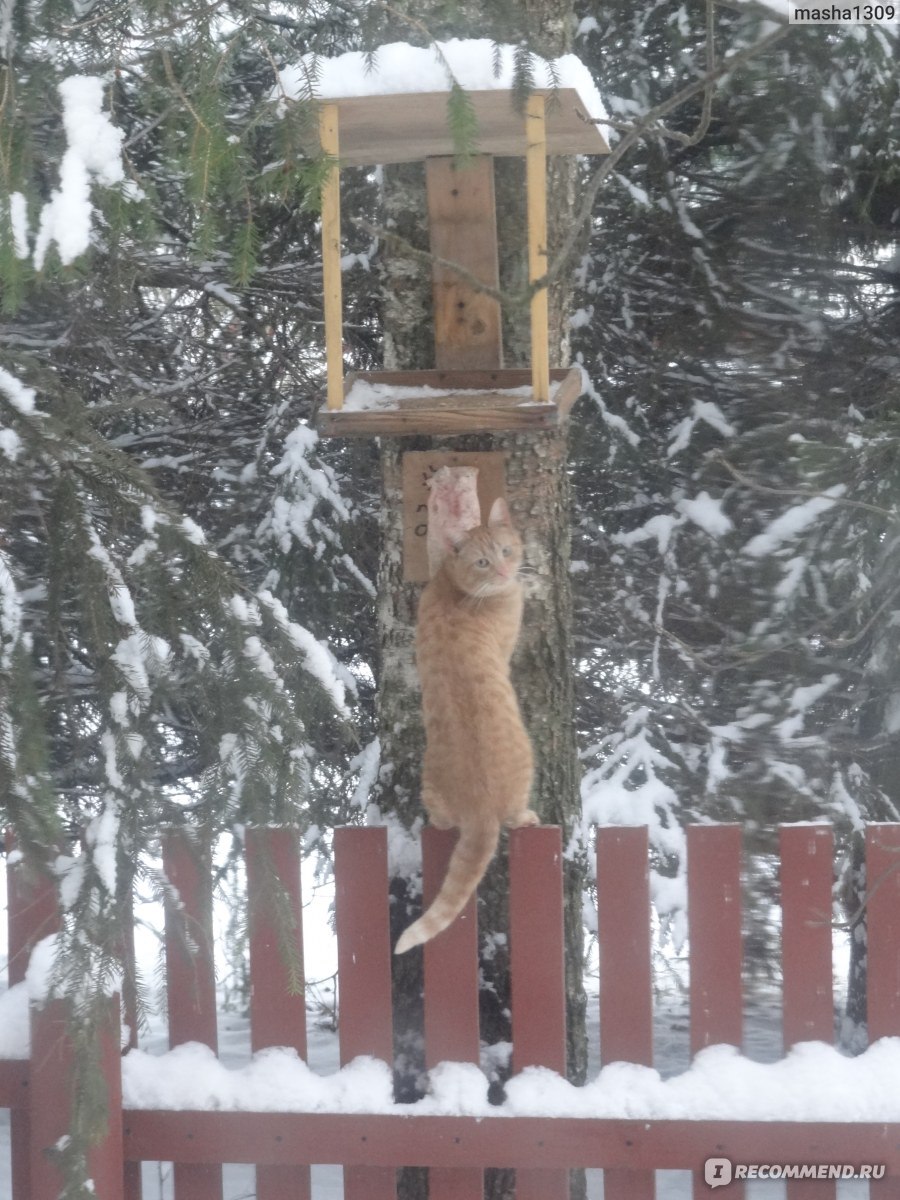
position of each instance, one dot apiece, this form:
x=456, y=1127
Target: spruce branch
x=647, y=125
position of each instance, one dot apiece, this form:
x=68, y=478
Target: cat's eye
x=507, y=551
x=481, y=563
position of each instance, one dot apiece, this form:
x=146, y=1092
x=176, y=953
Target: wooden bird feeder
x=469, y=391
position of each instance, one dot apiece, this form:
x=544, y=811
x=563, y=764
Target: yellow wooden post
x=331, y=258
x=536, y=197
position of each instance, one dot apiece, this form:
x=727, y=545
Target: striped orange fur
x=478, y=765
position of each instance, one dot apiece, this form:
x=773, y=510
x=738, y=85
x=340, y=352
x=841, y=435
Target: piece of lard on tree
x=453, y=510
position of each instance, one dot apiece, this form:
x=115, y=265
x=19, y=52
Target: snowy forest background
x=187, y=576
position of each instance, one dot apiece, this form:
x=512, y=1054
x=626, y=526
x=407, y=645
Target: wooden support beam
x=331, y=258
x=462, y=228
x=536, y=197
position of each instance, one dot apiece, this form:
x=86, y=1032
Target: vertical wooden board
x=52, y=1061
x=32, y=913
x=452, y=1029
x=537, y=973
x=190, y=978
x=362, y=924
x=536, y=199
x=807, y=854
x=418, y=467
x=626, y=985
x=364, y=945
x=462, y=226
x=452, y=1032
x=883, y=929
x=277, y=995
x=331, y=258
x=883, y=945
x=716, y=951
x=623, y=906
x=537, y=967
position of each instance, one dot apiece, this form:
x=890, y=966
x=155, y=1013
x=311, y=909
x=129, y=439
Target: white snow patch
x=15, y=1034
x=400, y=68
x=94, y=153
x=704, y=412
x=706, y=512
x=814, y=1082
x=15, y=391
x=793, y=522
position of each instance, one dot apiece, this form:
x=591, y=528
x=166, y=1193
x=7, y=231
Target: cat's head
x=486, y=560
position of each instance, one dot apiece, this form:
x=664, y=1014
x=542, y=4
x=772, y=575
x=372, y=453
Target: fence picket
x=716, y=950
x=807, y=856
x=537, y=974
x=364, y=973
x=452, y=1031
x=277, y=997
x=883, y=943
x=32, y=914
x=190, y=977
x=626, y=985
x=50, y=1101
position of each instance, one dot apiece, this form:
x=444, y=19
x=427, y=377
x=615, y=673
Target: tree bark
x=538, y=495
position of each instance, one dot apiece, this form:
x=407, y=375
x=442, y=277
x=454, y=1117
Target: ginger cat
x=478, y=765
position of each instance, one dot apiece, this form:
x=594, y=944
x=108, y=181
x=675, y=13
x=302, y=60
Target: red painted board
x=362, y=923
x=626, y=987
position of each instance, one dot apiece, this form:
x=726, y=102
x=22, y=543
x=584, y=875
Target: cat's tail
x=476, y=847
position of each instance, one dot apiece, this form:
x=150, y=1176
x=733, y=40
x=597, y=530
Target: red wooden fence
x=457, y=1149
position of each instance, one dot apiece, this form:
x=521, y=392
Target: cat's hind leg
x=520, y=819
x=436, y=808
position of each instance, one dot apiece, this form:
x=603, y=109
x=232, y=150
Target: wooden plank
x=362, y=923
x=418, y=467
x=457, y=1142
x=32, y=914
x=494, y=380
x=716, y=951
x=452, y=1030
x=807, y=856
x=883, y=929
x=462, y=228
x=466, y=417
x=409, y=128
x=626, y=982
x=537, y=973
x=190, y=976
x=364, y=948
x=536, y=201
x=331, y=258
x=14, y=1076
x=480, y=401
x=277, y=994
x=50, y=1101
x=883, y=945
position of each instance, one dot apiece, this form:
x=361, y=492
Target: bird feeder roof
x=393, y=105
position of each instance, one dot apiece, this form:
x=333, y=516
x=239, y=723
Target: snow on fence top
x=476, y=64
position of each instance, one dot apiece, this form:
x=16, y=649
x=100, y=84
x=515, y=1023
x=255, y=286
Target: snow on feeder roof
x=380, y=125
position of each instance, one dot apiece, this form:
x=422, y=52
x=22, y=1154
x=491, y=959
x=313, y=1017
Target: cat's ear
x=499, y=514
